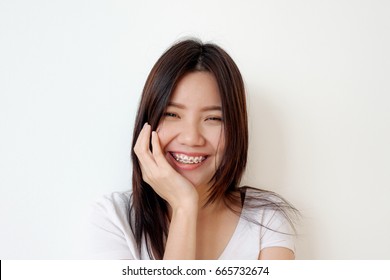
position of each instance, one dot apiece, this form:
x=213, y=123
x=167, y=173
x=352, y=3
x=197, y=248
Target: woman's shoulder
x=110, y=235
x=269, y=209
x=111, y=206
x=114, y=198
x=261, y=197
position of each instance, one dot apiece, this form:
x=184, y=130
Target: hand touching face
x=159, y=174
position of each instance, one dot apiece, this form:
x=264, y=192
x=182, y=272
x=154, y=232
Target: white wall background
x=317, y=75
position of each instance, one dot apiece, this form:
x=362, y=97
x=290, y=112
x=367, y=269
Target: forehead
x=197, y=89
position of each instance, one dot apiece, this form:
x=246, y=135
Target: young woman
x=189, y=153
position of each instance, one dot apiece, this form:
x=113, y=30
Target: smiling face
x=191, y=130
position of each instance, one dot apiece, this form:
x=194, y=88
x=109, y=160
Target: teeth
x=187, y=159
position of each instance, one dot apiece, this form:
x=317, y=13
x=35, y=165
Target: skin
x=192, y=125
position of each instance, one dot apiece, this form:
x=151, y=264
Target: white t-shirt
x=110, y=236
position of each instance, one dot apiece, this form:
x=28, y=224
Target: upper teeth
x=187, y=159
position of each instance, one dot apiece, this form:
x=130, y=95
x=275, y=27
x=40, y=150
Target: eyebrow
x=204, y=109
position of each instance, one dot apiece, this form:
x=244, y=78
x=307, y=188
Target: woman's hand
x=160, y=175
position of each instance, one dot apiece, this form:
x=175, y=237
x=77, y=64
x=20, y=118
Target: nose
x=191, y=135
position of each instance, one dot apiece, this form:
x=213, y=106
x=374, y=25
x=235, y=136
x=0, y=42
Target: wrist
x=185, y=209
x=185, y=202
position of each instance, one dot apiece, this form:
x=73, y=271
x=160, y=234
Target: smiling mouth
x=182, y=158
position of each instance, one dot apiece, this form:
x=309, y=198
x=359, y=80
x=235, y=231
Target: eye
x=171, y=115
x=217, y=119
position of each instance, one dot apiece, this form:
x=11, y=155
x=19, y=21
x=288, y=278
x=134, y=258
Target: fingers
x=150, y=161
x=141, y=149
x=142, y=144
x=157, y=151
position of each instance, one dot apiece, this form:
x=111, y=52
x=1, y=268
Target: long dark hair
x=148, y=214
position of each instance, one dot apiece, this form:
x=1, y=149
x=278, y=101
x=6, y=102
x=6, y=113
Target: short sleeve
x=276, y=231
x=109, y=233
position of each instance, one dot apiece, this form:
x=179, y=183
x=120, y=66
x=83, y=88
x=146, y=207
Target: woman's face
x=191, y=130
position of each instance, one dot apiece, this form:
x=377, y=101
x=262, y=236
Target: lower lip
x=184, y=166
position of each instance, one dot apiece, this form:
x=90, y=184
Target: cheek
x=218, y=143
x=164, y=135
